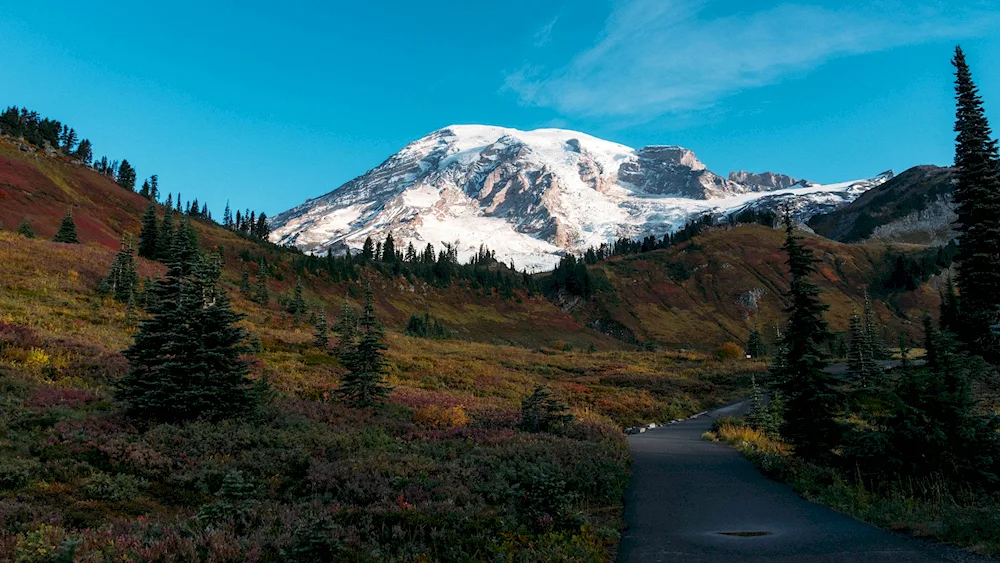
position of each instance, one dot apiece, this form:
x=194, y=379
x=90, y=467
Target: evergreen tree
x=977, y=200
x=755, y=345
x=67, y=230
x=322, y=337
x=812, y=398
x=126, y=176
x=122, y=281
x=297, y=305
x=187, y=359
x=364, y=384
x=543, y=411
x=154, y=187
x=368, y=250
x=165, y=236
x=862, y=365
x=148, y=235
x=347, y=331
x=950, y=314
x=84, y=152
x=261, y=296
x=227, y=217
x=389, y=249
x=144, y=190
x=873, y=331
x=246, y=289
x=25, y=229
x=262, y=229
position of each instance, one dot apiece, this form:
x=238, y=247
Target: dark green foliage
x=950, y=313
x=187, y=359
x=67, y=230
x=907, y=271
x=25, y=229
x=571, y=276
x=84, y=152
x=126, y=177
x=260, y=295
x=765, y=416
x=424, y=326
x=812, y=396
x=39, y=131
x=364, y=384
x=346, y=329
x=863, y=356
x=322, y=337
x=122, y=281
x=246, y=288
x=297, y=305
x=165, y=236
x=235, y=504
x=148, y=241
x=755, y=345
x=977, y=200
x=543, y=411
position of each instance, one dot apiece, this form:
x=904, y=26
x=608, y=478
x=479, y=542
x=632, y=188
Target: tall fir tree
x=364, y=383
x=321, y=339
x=862, y=364
x=977, y=200
x=122, y=281
x=346, y=329
x=950, y=313
x=148, y=245
x=187, y=360
x=261, y=296
x=389, y=249
x=67, y=230
x=297, y=304
x=755, y=344
x=812, y=396
x=126, y=176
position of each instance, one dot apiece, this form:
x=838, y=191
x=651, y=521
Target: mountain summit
x=531, y=196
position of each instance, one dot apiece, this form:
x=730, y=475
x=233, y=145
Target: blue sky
x=268, y=104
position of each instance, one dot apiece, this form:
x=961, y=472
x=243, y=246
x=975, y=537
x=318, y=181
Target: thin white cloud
x=658, y=57
x=544, y=33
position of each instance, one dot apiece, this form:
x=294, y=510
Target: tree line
x=919, y=422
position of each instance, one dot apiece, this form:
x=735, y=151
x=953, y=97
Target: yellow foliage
x=746, y=437
x=433, y=416
x=729, y=351
x=36, y=359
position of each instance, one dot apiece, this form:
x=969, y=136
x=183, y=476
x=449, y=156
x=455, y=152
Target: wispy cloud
x=544, y=33
x=657, y=57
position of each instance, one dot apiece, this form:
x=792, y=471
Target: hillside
x=914, y=207
x=719, y=285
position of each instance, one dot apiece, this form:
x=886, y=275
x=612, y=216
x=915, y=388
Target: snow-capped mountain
x=531, y=196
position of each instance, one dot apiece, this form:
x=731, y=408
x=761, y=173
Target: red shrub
x=18, y=336
x=48, y=397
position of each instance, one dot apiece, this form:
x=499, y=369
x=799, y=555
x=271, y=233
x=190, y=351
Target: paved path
x=686, y=493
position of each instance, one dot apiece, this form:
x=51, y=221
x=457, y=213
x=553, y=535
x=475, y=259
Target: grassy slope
x=696, y=295
x=442, y=474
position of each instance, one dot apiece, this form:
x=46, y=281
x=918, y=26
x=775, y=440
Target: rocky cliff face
x=528, y=195
x=765, y=181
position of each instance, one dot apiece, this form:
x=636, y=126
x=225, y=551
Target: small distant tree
x=364, y=384
x=261, y=296
x=148, y=243
x=122, y=281
x=67, y=230
x=246, y=288
x=84, y=152
x=543, y=411
x=126, y=176
x=25, y=229
x=862, y=365
x=368, y=250
x=297, y=305
x=346, y=329
x=322, y=337
x=755, y=344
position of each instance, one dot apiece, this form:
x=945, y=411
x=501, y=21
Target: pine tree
x=227, y=217
x=389, y=249
x=67, y=230
x=543, y=411
x=347, y=330
x=977, y=200
x=187, y=359
x=364, y=384
x=148, y=235
x=122, y=281
x=950, y=314
x=755, y=345
x=368, y=250
x=873, y=331
x=144, y=190
x=322, y=338
x=126, y=176
x=297, y=305
x=165, y=236
x=246, y=289
x=812, y=398
x=862, y=366
x=261, y=296
x=25, y=229
x=154, y=187
x=84, y=152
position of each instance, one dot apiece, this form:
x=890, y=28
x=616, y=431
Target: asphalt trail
x=686, y=494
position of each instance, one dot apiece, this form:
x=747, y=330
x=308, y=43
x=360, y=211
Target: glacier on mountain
x=532, y=196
